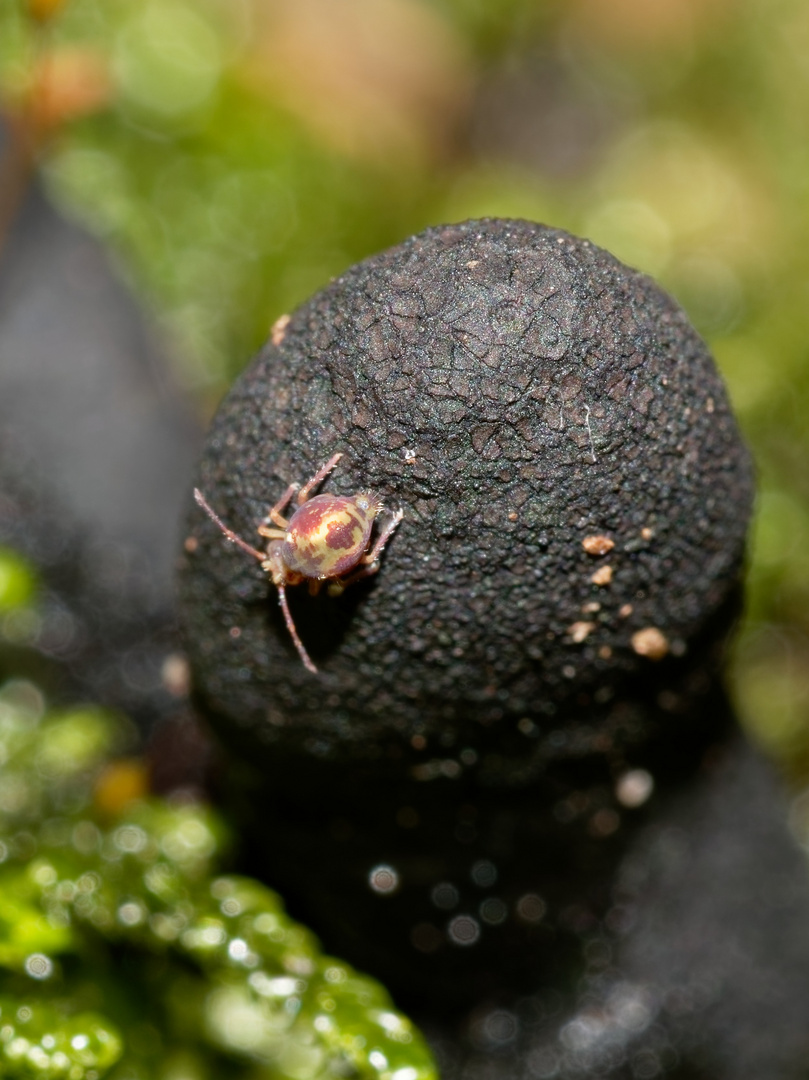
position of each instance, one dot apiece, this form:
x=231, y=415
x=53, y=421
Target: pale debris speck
x=602, y=576
x=650, y=642
x=597, y=545
x=579, y=631
x=279, y=329
x=634, y=788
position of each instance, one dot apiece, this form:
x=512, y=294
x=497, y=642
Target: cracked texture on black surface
x=515, y=390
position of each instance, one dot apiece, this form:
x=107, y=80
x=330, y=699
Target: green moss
x=17, y=583
x=123, y=948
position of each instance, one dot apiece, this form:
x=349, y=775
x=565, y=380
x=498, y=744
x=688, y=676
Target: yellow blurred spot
x=669, y=194
x=630, y=25
x=781, y=530
x=43, y=10
x=370, y=78
x=121, y=783
x=751, y=376
x=771, y=689
x=633, y=231
x=17, y=582
x=168, y=59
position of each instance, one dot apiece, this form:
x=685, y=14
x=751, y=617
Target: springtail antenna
x=229, y=533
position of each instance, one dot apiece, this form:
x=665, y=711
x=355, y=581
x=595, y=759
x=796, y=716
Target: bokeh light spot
x=384, y=880
x=463, y=930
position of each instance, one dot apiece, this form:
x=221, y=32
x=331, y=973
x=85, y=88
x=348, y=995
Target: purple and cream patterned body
x=328, y=538
x=329, y=534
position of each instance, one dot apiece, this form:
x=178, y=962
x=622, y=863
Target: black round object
x=575, y=494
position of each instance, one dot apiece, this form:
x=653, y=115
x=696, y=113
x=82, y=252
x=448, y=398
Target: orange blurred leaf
x=382, y=80
x=43, y=10
x=629, y=25
x=65, y=84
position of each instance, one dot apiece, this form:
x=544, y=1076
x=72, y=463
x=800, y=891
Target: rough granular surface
x=571, y=477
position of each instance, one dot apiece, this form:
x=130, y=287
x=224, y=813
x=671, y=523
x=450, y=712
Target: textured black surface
x=319, y=831
x=700, y=968
x=514, y=390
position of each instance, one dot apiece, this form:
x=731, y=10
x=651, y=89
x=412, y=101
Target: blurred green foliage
x=236, y=154
x=17, y=582
x=123, y=952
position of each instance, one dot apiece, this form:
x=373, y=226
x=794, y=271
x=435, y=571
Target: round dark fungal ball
x=562, y=448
